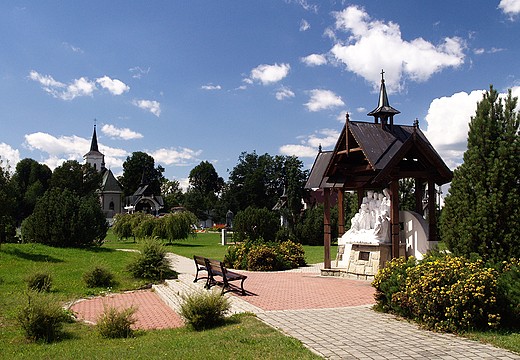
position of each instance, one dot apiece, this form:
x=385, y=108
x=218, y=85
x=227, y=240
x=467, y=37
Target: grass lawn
x=209, y=245
x=243, y=337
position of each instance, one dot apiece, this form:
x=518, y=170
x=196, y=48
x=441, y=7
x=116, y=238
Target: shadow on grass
x=184, y=245
x=32, y=257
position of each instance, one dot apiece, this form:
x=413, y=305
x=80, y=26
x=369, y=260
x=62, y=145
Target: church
x=111, y=191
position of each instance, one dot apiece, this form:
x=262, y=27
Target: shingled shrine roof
x=368, y=155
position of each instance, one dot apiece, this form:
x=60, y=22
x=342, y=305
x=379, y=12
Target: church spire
x=94, y=145
x=383, y=111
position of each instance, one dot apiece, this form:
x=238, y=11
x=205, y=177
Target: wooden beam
x=341, y=210
x=394, y=216
x=432, y=226
x=419, y=196
x=327, y=236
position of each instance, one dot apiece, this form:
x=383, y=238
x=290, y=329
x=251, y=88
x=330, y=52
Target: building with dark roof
x=111, y=191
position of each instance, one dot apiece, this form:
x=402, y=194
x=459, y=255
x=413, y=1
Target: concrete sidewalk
x=330, y=316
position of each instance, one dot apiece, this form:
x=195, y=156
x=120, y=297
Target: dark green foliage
x=114, y=323
x=83, y=180
x=204, y=309
x=309, y=229
x=253, y=224
x=31, y=180
x=61, y=219
x=172, y=194
x=98, y=275
x=482, y=210
x=38, y=279
x=259, y=181
x=150, y=262
x=42, y=317
x=7, y=205
x=133, y=169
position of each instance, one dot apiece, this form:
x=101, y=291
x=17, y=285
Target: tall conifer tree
x=482, y=212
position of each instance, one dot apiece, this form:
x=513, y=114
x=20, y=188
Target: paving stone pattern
x=330, y=316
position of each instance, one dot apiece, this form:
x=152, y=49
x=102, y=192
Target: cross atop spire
x=383, y=111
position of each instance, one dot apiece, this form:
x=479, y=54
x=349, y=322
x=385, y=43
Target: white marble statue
x=371, y=224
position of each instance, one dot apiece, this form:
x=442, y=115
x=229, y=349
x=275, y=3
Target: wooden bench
x=217, y=268
x=200, y=263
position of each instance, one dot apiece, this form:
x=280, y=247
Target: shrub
x=150, y=262
x=145, y=226
x=98, y=275
x=263, y=258
x=38, y=280
x=62, y=219
x=204, y=309
x=389, y=281
x=122, y=226
x=41, y=318
x=115, y=323
x=254, y=224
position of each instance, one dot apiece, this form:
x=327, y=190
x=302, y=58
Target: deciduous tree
x=133, y=169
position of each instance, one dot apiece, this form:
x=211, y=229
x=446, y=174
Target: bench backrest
x=215, y=265
x=199, y=260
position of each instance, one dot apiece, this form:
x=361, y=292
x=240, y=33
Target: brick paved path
x=330, y=316
x=152, y=313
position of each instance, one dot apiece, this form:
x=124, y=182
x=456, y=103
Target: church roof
x=383, y=107
x=110, y=183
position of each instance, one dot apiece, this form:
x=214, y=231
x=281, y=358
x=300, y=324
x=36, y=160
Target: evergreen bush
x=42, y=317
x=115, y=323
x=253, y=224
x=98, y=275
x=38, y=280
x=204, y=309
x=150, y=262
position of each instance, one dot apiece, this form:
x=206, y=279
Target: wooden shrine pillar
x=327, y=236
x=394, y=217
x=432, y=226
x=419, y=196
x=341, y=215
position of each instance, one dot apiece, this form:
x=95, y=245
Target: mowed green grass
x=242, y=337
x=209, y=245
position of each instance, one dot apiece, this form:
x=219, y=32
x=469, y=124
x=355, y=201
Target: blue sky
x=188, y=81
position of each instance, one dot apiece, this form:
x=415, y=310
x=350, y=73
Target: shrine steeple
x=384, y=111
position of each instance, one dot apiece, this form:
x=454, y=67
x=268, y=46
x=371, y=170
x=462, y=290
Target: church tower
x=384, y=113
x=94, y=157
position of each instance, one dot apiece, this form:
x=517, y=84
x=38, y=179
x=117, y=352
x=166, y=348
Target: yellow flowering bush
x=449, y=293
x=265, y=256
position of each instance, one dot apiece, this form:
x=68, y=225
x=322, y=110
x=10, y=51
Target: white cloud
x=70, y=148
x=374, y=45
x=453, y=113
x=309, y=144
x=137, y=72
x=510, y=7
x=361, y=109
x=283, y=93
x=323, y=99
x=78, y=87
x=268, y=74
x=123, y=133
x=8, y=154
x=153, y=106
x=175, y=157
x=73, y=48
x=211, y=87
x=116, y=87
x=314, y=60
x=304, y=4
x=304, y=25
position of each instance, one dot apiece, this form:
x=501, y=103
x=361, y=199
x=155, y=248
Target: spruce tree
x=482, y=211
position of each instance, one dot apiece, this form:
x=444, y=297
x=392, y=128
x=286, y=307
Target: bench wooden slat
x=217, y=268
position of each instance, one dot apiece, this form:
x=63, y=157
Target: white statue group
x=372, y=223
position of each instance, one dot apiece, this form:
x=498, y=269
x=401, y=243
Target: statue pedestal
x=361, y=261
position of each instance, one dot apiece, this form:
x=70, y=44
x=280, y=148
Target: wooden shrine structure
x=374, y=156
